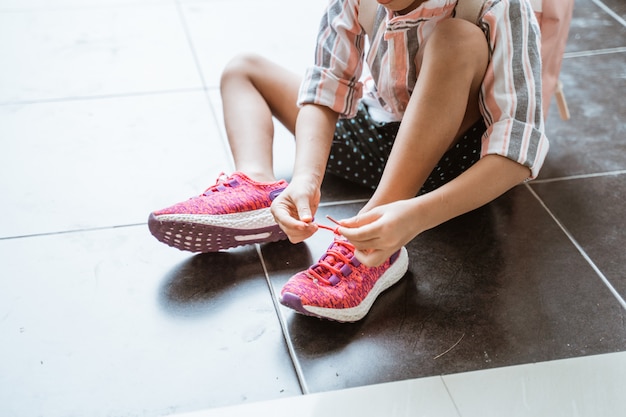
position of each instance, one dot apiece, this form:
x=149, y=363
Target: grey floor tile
x=112, y=322
x=592, y=140
x=592, y=28
x=616, y=6
x=502, y=285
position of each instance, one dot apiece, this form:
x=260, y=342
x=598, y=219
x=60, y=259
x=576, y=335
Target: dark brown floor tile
x=592, y=210
x=617, y=6
x=503, y=281
x=114, y=323
x=338, y=189
x=592, y=140
x=593, y=28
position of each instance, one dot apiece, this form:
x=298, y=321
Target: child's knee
x=459, y=40
x=241, y=66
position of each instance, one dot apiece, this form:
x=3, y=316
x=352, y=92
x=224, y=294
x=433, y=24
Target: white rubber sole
x=352, y=314
x=255, y=219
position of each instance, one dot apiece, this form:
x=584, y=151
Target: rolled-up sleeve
x=511, y=94
x=333, y=81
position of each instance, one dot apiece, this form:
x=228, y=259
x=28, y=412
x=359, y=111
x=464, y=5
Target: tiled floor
x=110, y=109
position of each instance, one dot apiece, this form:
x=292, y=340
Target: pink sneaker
x=233, y=212
x=339, y=287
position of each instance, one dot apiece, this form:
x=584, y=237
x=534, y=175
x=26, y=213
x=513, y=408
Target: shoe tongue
x=222, y=183
x=338, y=247
x=222, y=178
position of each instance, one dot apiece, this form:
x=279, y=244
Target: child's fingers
x=304, y=213
x=359, y=220
x=286, y=217
x=371, y=257
x=362, y=237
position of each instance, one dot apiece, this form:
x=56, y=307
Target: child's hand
x=294, y=209
x=378, y=233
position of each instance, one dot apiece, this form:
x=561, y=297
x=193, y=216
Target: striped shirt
x=510, y=99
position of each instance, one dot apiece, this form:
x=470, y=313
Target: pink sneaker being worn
x=233, y=212
x=339, y=287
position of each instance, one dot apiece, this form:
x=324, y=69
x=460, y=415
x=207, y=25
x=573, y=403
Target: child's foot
x=233, y=212
x=339, y=287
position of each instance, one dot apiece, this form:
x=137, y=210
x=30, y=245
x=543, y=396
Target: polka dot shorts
x=361, y=147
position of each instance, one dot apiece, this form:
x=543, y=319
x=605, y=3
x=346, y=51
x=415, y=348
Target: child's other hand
x=378, y=233
x=294, y=209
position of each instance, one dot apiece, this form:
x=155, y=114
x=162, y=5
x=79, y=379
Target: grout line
x=183, y=21
x=283, y=325
x=580, y=249
x=343, y=202
x=196, y=60
x=581, y=176
x=70, y=7
x=223, y=136
x=103, y=96
x=456, y=407
x=66, y=232
x=607, y=9
x=616, y=50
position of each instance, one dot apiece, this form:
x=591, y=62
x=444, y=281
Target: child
x=448, y=119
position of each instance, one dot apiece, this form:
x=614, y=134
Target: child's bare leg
x=443, y=106
x=253, y=90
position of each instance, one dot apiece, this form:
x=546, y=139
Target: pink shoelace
x=334, y=255
x=221, y=184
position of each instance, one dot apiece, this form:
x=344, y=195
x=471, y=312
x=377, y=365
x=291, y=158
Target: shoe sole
x=211, y=233
x=348, y=315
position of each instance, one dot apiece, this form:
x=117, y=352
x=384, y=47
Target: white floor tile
x=94, y=163
x=582, y=387
x=415, y=398
x=63, y=53
x=276, y=29
x=21, y=5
